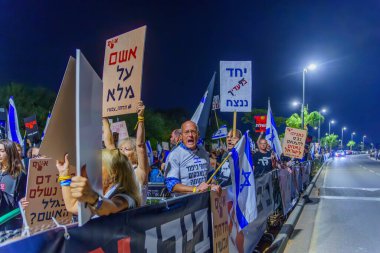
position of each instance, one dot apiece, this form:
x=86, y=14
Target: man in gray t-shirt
x=187, y=165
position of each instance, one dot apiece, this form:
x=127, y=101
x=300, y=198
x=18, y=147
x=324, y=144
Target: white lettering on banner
x=170, y=230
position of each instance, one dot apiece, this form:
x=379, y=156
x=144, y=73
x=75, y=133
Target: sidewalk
x=300, y=240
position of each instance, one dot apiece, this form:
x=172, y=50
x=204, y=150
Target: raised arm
x=143, y=168
x=70, y=202
x=108, y=138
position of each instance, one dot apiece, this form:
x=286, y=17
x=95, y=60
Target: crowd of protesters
x=187, y=168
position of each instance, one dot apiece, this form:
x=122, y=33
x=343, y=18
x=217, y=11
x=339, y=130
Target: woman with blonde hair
x=121, y=189
x=133, y=148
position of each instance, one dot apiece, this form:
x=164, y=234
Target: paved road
x=346, y=217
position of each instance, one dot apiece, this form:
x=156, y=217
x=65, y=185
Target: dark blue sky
x=187, y=39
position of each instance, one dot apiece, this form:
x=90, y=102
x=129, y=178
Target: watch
x=98, y=203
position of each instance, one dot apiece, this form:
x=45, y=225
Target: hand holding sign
x=140, y=109
x=63, y=167
x=81, y=188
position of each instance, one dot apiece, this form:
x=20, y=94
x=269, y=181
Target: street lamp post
x=310, y=67
x=364, y=136
x=352, y=136
x=343, y=128
x=330, y=122
x=319, y=124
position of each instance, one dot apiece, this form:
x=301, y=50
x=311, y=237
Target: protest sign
x=219, y=216
x=216, y=102
x=294, y=142
x=61, y=128
x=122, y=72
x=261, y=123
x=120, y=128
x=44, y=194
x=235, y=86
x=31, y=127
x=88, y=127
x=165, y=145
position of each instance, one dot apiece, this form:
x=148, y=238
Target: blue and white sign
x=235, y=86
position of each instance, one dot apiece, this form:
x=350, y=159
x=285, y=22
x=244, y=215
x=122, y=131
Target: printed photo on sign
x=122, y=72
x=235, y=86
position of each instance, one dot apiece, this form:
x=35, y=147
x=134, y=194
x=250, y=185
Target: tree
x=330, y=141
x=310, y=119
x=351, y=144
x=29, y=100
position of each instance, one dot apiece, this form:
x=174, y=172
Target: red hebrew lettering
x=124, y=245
x=32, y=193
x=133, y=53
x=113, y=58
x=39, y=179
x=98, y=250
x=123, y=55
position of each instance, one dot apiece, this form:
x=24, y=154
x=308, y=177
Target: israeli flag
x=149, y=152
x=221, y=133
x=12, y=124
x=243, y=183
x=202, y=113
x=271, y=134
x=159, y=150
x=46, y=125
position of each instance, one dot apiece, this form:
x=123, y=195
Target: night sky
x=186, y=40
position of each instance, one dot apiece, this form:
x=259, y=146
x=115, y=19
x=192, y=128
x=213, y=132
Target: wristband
x=139, y=119
x=66, y=182
x=194, y=189
x=63, y=178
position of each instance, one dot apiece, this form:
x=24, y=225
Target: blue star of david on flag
x=244, y=192
x=246, y=180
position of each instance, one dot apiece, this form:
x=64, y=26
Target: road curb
x=279, y=244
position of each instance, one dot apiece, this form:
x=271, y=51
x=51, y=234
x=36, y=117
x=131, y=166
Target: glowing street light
x=352, y=136
x=343, y=128
x=311, y=67
x=330, y=122
x=319, y=124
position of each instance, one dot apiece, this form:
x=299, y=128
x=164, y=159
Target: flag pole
x=220, y=166
x=216, y=119
x=234, y=125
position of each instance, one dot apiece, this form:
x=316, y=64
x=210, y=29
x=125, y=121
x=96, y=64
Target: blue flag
x=13, y=128
x=243, y=182
x=46, y=125
x=271, y=134
x=221, y=133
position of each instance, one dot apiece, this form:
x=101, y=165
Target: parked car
x=340, y=153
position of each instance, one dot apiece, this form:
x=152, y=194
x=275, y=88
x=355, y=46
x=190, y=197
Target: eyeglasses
x=188, y=132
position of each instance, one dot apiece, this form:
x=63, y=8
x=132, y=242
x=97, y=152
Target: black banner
x=31, y=127
x=180, y=225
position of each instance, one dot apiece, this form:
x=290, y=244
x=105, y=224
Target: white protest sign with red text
x=122, y=72
x=44, y=194
x=294, y=142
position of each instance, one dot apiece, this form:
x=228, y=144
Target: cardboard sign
x=235, y=86
x=216, y=102
x=165, y=145
x=120, y=128
x=88, y=128
x=122, y=73
x=61, y=128
x=219, y=216
x=44, y=194
x=294, y=142
x=31, y=127
x=261, y=123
